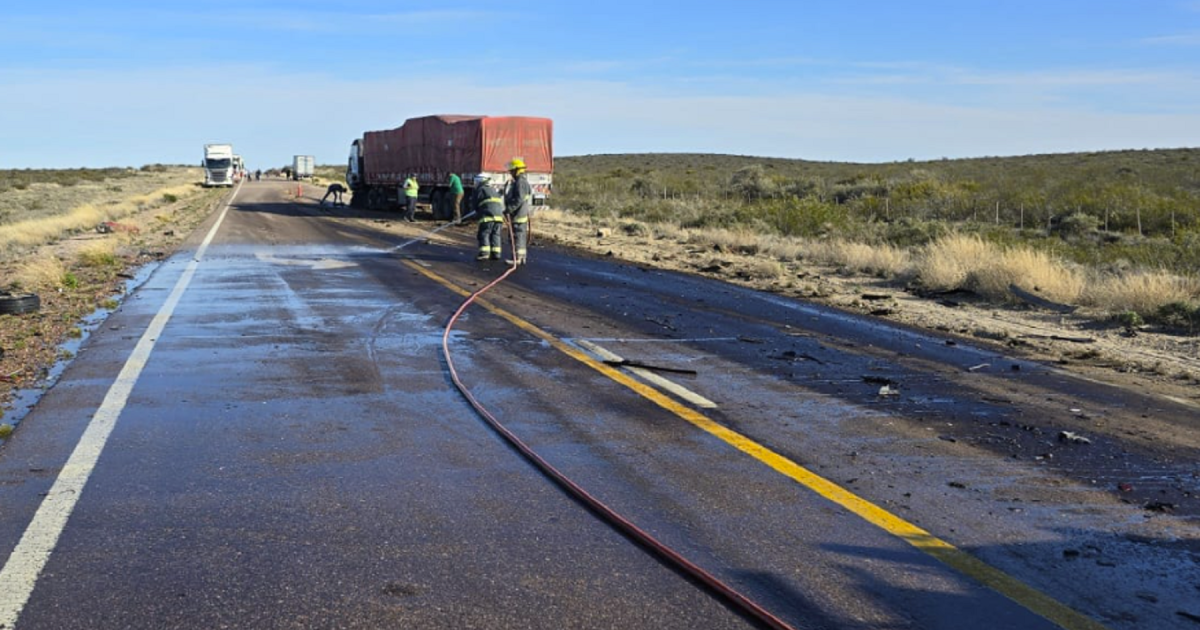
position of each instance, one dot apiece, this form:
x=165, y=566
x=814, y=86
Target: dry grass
x=34, y=232
x=1140, y=292
x=968, y=262
x=45, y=213
x=43, y=272
x=102, y=253
x=1030, y=270
x=736, y=241
x=770, y=270
x=946, y=263
x=884, y=261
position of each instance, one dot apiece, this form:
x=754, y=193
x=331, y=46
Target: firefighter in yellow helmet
x=518, y=203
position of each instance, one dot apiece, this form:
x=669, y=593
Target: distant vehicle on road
x=218, y=165
x=432, y=147
x=302, y=167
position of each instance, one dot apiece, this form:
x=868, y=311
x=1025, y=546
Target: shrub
x=98, y=254
x=1142, y=292
x=946, y=263
x=1077, y=225
x=1179, y=315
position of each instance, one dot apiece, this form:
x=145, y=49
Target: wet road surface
x=293, y=455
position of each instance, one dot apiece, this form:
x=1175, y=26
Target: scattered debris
x=981, y=366
x=1161, y=507
x=1146, y=596
x=1071, y=437
x=888, y=390
x=1061, y=338
x=793, y=356
x=1042, y=302
x=947, y=438
x=664, y=321
x=109, y=227
x=647, y=366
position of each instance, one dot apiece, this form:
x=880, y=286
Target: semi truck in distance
x=302, y=167
x=218, y=165
x=433, y=147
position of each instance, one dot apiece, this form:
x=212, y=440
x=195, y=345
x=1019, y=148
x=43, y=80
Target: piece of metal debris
x=1072, y=438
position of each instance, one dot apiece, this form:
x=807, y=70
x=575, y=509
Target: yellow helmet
x=517, y=164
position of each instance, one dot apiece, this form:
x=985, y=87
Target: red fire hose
x=623, y=525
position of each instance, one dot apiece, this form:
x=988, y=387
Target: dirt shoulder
x=72, y=286
x=1147, y=360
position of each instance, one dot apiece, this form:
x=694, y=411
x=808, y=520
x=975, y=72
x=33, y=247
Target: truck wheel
x=373, y=199
x=17, y=304
x=437, y=204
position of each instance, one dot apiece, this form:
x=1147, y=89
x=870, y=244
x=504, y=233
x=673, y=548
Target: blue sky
x=127, y=83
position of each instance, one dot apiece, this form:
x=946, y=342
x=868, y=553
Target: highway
x=265, y=434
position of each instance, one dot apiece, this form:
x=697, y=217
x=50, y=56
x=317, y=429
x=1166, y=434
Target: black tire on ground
x=11, y=304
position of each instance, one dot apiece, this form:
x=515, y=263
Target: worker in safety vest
x=490, y=208
x=410, y=198
x=518, y=203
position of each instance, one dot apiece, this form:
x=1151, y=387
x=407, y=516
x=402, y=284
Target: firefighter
x=490, y=208
x=518, y=203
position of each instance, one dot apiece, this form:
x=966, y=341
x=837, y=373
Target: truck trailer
x=433, y=147
x=302, y=167
x=218, y=165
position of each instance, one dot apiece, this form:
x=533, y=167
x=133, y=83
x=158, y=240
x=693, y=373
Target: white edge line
x=29, y=557
x=650, y=377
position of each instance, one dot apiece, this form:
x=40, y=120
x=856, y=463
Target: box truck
x=302, y=167
x=432, y=147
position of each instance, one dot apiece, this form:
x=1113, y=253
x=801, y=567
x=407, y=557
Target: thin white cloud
x=1180, y=39
x=165, y=116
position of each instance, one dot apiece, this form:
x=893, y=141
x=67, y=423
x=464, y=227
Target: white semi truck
x=218, y=165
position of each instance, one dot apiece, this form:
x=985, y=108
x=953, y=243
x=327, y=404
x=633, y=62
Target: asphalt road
x=265, y=435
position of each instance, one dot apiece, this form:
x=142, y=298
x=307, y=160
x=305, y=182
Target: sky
x=134, y=82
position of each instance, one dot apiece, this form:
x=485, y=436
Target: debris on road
x=647, y=366
x=888, y=390
x=1071, y=437
x=1037, y=300
x=792, y=356
x=109, y=227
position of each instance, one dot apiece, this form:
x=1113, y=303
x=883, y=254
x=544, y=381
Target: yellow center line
x=963, y=562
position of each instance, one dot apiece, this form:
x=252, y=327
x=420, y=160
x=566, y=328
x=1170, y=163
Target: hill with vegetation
x=1099, y=219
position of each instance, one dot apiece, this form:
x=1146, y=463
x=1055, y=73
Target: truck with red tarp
x=433, y=147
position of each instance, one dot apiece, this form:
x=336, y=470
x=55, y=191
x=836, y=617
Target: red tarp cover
x=438, y=145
